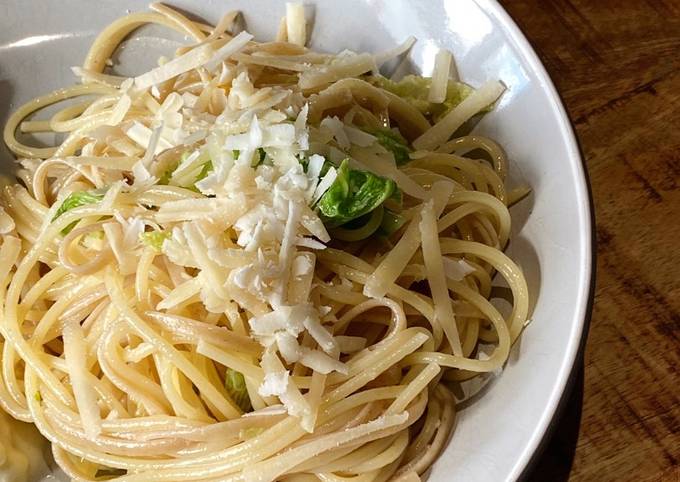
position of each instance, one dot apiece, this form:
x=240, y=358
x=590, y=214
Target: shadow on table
x=554, y=464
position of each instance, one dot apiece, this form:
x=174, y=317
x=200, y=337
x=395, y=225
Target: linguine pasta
x=254, y=262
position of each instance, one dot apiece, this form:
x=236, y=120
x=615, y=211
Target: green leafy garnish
x=154, y=239
x=415, y=89
x=235, y=384
x=397, y=198
x=93, y=240
x=395, y=143
x=353, y=194
x=391, y=222
x=37, y=397
x=165, y=177
x=359, y=228
x=258, y=158
x=205, y=170
x=75, y=200
x=172, y=166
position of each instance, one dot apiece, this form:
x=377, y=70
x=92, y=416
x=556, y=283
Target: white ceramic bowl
x=498, y=430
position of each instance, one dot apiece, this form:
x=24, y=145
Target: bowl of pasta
x=269, y=241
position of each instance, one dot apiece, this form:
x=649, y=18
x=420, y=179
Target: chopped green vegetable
x=235, y=384
x=76, y=200
x=258, y=158
x=205, y=170
x=353, y=194
x=394, y=142
x=37, y=397
x=93, y=240
x=167, y=174
x=154, y=239
x=415, y=89
x=391, y=223
x=359, y=228
x=165, y=177
x=397, y=198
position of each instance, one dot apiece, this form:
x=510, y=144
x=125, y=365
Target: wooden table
x=617, y=66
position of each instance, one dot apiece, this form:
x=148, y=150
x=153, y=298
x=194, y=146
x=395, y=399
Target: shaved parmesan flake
x=279, y=385
x=288, y=346
x=287, y=249
x=336, y=126
x=457, y=269
x=189, y=61
x=203, y=55
x=325, y=184
x=301, y=133
x=142, y=135
x=320, y=334
x=278, y=135
x=439, y=133
x=231, y=47
x=302, y=266
x=141, y=168
x=281, y=33
x=312, y=223
x=296, y=29
x=310, y=243
x=283, y=318
x=349, y=66
x=440, y=77
x=120, y=110
x=274, y=384
x=315, y=166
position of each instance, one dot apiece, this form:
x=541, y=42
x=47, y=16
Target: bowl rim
x=587, y=237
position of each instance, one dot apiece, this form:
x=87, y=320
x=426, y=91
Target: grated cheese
x=296, y=30
x=203, y=55
x=440, y=77
x=457, y=269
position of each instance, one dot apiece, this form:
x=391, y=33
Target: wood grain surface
x=616, y=64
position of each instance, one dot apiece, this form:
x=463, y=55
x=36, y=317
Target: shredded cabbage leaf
x=394, y=142
x=353, y=194
x=154, y=239
x=76, y=200
x=415, y=90
x=235, y=384
x=207, y=167
x=391, y=222
x=205, y=170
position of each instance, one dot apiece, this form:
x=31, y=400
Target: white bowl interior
x=498, y=429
